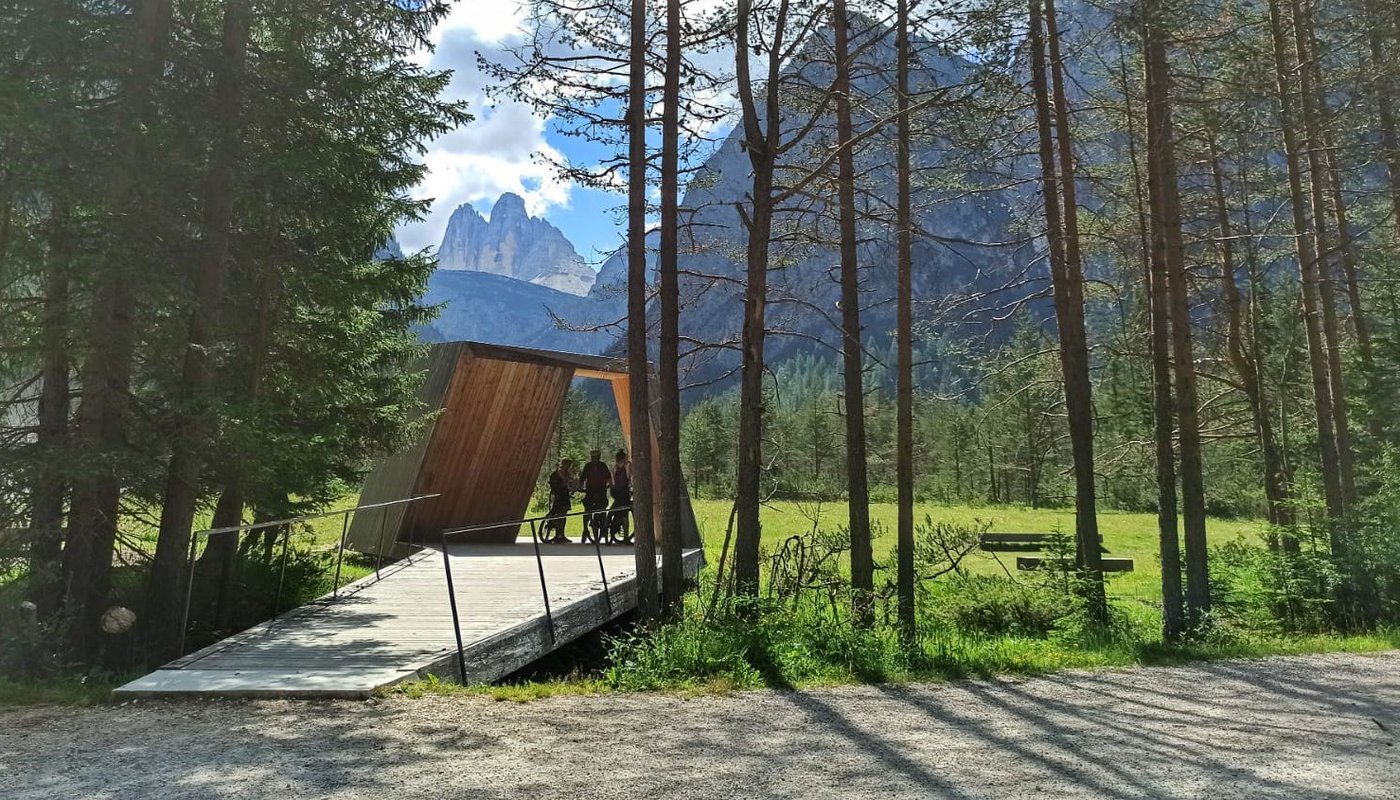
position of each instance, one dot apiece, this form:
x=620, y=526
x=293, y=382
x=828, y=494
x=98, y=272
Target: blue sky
x=500, y=151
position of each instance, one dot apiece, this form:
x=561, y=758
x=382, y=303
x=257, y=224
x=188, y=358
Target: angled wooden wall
x=495, y=412
x=489, y=444
x=396, y=476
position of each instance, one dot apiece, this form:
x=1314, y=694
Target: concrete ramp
x=378, y=632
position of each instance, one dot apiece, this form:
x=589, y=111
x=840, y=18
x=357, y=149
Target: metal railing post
x=456, y=620
x=607, y=594
x=544, y=589
x=282, y=573
x=340, y=554
x=189, y=593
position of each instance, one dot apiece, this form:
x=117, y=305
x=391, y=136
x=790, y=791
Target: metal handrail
x=286, y=526
x=486, y=526
x=252, y=526
x=539, y=564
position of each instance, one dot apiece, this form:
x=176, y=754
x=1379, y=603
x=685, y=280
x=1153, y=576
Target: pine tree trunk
x=100, y=432
x=1166, y=217
x=904, y=334
x=637, y=365
x=1318, y=179
x=1383, y=90
x=167, y=585
x=50, y=483
x=1069, y=316
x=1283, y=469
x=760, y=144
x=1074, y=346
x=1309, y=271
x=669, y=405
x=1276, y=493
x=1351, y=266
x=858, y=505
x=222, y=551
x=1163, y=401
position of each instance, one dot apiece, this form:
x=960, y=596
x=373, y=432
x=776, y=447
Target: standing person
x=561, y=482
x=619, y=531
x=595, y=480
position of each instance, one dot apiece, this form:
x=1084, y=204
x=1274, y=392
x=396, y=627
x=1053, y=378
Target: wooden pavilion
x=495, y=410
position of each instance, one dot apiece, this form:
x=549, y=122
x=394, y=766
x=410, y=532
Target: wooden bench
x=1021, y=542
x=1036, y=562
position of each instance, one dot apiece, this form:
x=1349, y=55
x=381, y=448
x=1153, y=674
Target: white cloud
x=503, y=149
x=487, y=21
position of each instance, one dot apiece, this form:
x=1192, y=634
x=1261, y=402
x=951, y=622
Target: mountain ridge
x=513, y=244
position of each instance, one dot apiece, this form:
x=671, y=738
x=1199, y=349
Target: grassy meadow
x=1126, y=535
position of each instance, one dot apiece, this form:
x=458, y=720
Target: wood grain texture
x=394, y=477
x=488, y=446
x=494, y=410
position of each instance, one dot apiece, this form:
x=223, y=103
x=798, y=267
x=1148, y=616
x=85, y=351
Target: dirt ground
x=1308, y=727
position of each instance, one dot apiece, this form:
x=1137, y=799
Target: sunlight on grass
x=1125, y=534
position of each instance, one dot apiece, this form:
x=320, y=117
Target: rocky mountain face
x=481, y=307
x=953, y=257
x=513, y=244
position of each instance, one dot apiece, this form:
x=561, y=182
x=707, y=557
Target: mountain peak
x=509, y=205
x=513, y=244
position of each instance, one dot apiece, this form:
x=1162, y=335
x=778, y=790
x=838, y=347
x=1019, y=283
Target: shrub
x=999, y=606
x=1268, y=591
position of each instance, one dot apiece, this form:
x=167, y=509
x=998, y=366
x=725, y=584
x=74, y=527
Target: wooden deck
x=379, y=632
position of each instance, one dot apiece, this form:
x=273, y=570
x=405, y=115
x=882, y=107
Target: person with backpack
x=595, y=480
x=619, y=524
x=561, y=483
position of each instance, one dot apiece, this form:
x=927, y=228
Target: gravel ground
x=1309, y=727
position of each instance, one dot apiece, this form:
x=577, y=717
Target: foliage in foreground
x=971, y=625
x=782, y=648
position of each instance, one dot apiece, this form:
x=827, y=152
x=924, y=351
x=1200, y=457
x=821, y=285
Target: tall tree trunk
x=760, y=142
x=1318, y=178
x=106, y=374
x=1273, y=412
x=1154, y=251
x=637, y=366
x=1276, y=492
x=858, y=505
x=1166, y=217
x=1383, y=88
x=1351, y=268
x=669, y=406
x=1068, y=283
x=50, y=481
x=167, y=584
x=1351, y=271
x=221, y=552
x=904, y=336
x=1309, y=270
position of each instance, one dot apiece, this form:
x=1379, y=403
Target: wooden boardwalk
x=379, y=632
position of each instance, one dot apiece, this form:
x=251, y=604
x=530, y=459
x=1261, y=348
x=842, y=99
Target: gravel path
x=1311, y=727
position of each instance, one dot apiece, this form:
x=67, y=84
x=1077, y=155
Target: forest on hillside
x=1191, y=311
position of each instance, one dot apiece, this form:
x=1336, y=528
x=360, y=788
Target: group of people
x=597, y=481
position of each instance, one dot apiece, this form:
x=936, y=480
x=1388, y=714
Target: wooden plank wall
x=489, y=444
x=494, y=420
x=394, y=477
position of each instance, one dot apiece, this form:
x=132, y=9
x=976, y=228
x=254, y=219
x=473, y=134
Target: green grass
x=787, y=647
x=63, y=691
x=1125, y=534
x=522, y=692
x=948, y=657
